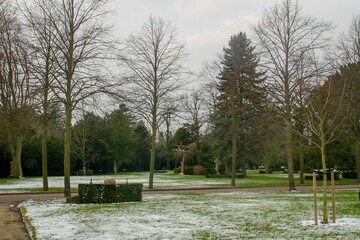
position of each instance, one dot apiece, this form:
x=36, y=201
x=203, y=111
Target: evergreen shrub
x=104, y=193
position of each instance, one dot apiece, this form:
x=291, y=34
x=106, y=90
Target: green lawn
x=161, y=181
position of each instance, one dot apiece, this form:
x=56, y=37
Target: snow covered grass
x=239, y=215
x=161, y=181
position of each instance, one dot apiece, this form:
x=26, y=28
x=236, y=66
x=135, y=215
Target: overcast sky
x=206, y=25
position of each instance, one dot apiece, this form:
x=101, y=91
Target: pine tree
x=240, y=100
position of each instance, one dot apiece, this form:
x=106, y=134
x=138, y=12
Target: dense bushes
x=104, y=193
x=352, y=175
x=191, y=170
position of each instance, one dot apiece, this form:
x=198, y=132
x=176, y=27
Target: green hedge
x=103, y=193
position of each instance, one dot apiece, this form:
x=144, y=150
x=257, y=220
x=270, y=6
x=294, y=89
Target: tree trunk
x=243, y=168
x=152, y=156
x=302, y=165
x=83, y=153
x=44, y=158
x=67, y=151
x=289, y=154
x=357, y=146
x=234, y=150
x=16, y=168
x=323, y=162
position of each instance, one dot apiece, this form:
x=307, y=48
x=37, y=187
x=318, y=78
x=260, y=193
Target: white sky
x=206, y=25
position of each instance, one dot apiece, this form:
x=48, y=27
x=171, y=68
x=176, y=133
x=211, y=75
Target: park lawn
x=167, y=180
x=239, y=215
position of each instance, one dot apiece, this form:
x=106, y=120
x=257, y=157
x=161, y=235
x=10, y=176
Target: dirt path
x=13, y=228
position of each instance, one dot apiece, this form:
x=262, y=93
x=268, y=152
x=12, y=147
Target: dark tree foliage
x=240, y=101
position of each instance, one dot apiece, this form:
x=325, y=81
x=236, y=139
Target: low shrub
x=198, y=170
x=210, y=171
x=188, y=170
x=160, y=171
x=177, y=170
x=104, y=193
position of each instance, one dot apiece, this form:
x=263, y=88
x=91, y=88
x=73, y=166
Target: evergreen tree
x=240, y=100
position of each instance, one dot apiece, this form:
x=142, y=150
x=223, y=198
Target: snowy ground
x=240, y=215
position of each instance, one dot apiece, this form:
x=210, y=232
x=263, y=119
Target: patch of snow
x=237, y=215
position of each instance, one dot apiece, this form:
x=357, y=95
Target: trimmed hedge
x=103, y=193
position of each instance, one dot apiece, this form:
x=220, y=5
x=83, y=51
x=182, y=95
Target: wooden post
x=333, y=196
x=315, y=202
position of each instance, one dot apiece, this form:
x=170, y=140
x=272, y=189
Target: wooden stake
x=315, y=202
x=333, y=196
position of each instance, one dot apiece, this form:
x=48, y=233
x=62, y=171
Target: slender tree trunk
x=44, y=158
x=302, y=165
x=67, y=151
x=19, y=172
x=83, y=153
x=357, y=147
x=289, y=154
x=152, y=156
x=289, y=144
x=234, y=149
x=323, y=162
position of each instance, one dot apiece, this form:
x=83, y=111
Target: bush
x=160, y=171
x=352, y=175
x=177, y=170
x=198, y=170
x=188, y=170
x=103, y=193
x=210, y=171
x=89, y=172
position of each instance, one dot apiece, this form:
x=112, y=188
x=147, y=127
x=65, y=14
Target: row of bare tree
x=58, y=56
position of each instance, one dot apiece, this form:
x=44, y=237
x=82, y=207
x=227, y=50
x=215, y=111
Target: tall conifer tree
x=240, y=98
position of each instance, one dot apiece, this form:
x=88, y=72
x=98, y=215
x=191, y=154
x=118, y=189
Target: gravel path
x=12, y=226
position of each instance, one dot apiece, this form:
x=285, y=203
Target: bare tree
x=323, y=120
x=193, y=105
x=81, y=133
x=83, y=42
x=43, y=69
x=16, y=112
x=349, y=55
x=349, y=46
x=155, y=59
x=284, y=36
